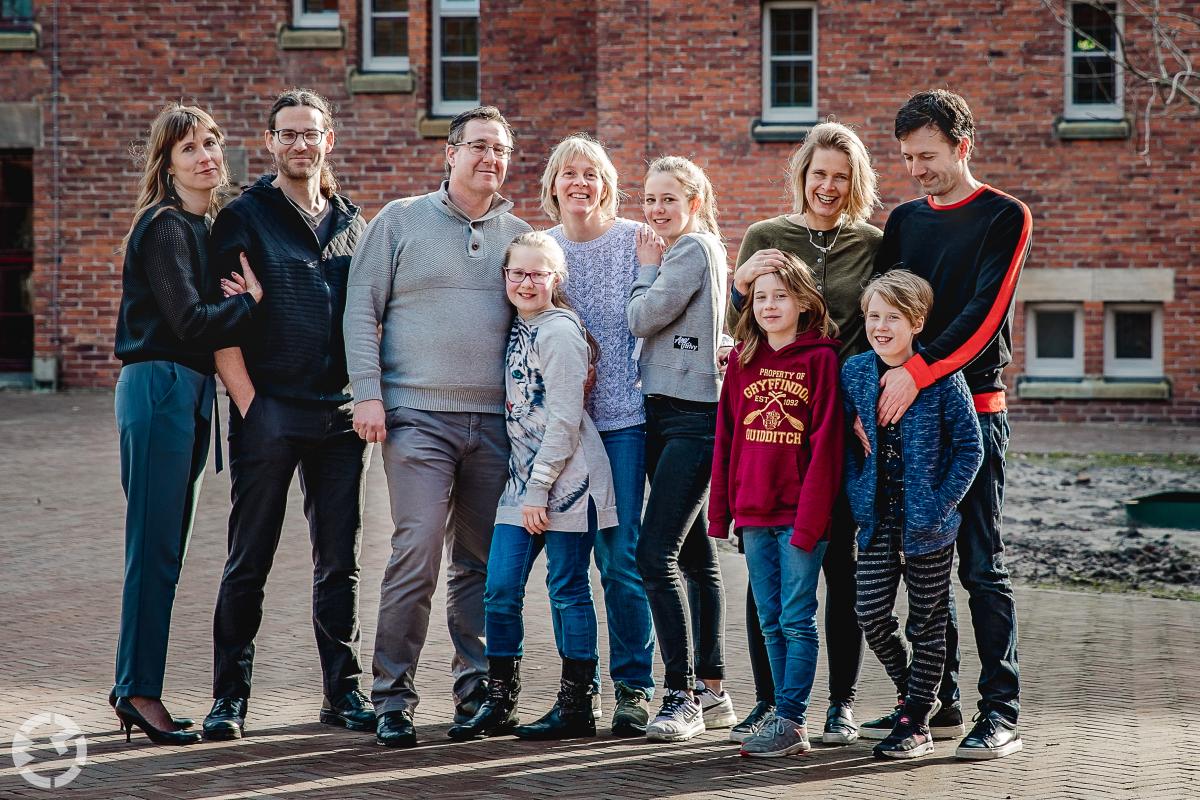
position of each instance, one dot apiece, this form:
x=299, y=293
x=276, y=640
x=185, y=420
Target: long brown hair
x=556, y=260
x=310, y=99
x=173, y=124
x=798, y=281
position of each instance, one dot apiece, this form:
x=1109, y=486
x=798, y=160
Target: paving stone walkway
x=1111, y=705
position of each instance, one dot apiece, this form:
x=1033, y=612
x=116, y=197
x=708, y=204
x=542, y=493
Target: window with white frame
x=789, y=61
x=315, y=13
x=385, y=35
x=1054, y=340
x=1133, y=340
x=455, y=56
x=1093, y=46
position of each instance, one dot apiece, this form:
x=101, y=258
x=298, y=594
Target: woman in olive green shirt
x=834, y=192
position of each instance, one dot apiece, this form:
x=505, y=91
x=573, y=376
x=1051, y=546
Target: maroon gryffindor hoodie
x=778, y=457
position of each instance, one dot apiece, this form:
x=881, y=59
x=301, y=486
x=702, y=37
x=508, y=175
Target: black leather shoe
x=353, y=711
x=180, y=722
x=469, y=707
x=395, y=729
x=571, y=717
x=130, y=717
x=227, y=720
x=497, y=714
x=992, y=737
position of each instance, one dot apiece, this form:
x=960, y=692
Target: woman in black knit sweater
x=172, y=317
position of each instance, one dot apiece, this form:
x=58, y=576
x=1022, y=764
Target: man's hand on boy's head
x=899, y=390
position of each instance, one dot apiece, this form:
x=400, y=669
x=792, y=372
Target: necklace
x=824, y=250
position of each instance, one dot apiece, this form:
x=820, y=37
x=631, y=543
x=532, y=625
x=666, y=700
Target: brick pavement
x=1110, y=703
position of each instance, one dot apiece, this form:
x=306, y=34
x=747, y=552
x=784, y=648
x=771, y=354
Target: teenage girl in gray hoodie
x=559, y=493
x=677, y=306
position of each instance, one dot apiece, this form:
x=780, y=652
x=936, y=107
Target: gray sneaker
x=779, y=737
x=632, y=711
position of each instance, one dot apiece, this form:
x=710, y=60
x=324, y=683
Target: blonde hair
x=864, y=192
x=695, y=183
x=907, y=292
x=172, y=125
x=556, y=260
x=583, y=146
x=798, y=281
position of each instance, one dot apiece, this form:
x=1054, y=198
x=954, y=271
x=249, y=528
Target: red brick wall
x=650, y=78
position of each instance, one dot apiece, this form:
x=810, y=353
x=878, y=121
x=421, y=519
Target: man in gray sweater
x=430, y=387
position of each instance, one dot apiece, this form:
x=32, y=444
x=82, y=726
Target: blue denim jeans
x=985, y=577
x=784, y=581
x=569, y=561
x=630, y=630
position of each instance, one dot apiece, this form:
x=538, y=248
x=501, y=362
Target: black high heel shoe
x=180, y=722
x=130, y=716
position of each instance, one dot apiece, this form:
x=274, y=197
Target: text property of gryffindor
x=776, y=391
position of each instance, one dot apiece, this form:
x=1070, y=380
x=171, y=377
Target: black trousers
x=843, y=636
x=265, y=448
x=671, y=547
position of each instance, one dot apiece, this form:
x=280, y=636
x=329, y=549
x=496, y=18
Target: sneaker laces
x=629, y=695
x=674, y=701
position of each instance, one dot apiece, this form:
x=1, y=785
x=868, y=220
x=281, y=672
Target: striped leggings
x=928, y=580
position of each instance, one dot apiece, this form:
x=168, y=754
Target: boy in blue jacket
x=904, y=481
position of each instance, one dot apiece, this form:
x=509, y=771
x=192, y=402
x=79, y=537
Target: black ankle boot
x=497, y=714
x=571, y=716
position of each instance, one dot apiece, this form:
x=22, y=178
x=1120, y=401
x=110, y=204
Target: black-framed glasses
x=286, y=136
x=478, y=147
x=519, y=276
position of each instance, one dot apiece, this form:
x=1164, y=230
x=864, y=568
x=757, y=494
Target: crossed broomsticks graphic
x=774, y=399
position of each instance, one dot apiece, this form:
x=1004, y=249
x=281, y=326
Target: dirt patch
x=1064, y=524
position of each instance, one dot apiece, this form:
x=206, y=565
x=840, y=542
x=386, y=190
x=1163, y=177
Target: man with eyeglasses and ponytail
x=431, y=389
x=289, y=409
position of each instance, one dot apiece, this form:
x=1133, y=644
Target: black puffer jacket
x=293, y=347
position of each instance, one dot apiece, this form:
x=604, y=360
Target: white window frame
x=1052, y=367
x=372, y=62
x=440, y=10
x=1133, y=367
x=772, y=113
x=1086, y=111
x=305, y=19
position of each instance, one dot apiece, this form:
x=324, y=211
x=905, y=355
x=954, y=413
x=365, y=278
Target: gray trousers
x=164, y=413
x=445, y=471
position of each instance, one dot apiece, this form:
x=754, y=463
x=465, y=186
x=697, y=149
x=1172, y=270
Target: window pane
x=1133, y=334
x=390, y=5
x=791, y=83
x=460, y=80
x=389, y=37
x=1094, y=81
x=1055, y=334
x=791, y=32
x=320, y=6
x=1095, y=28
x=460, y=36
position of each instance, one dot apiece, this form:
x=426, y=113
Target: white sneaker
x=718, y=708
x=679, y=719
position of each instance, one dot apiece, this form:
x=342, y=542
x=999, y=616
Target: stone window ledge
x=21, y=40
x=433, y=127
x=1092, y=128
x=311, y=38
x=379, y=82
x=1093, y=389
x=779, y=131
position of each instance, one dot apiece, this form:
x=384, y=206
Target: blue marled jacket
x=943, y=450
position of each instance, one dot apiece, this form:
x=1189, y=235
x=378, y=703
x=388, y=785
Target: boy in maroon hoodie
x=776, y=472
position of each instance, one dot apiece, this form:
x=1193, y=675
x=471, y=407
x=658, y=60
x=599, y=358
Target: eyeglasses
x=479, y=147
x=519, y=276
x=312, y=138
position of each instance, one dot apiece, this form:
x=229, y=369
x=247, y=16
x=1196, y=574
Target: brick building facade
x=730, y=83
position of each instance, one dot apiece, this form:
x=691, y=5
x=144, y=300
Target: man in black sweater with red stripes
x=969, y=241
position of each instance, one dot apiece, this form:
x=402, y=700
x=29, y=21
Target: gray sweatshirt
x=431, y=277
x=679, y=311
x=557, y=458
